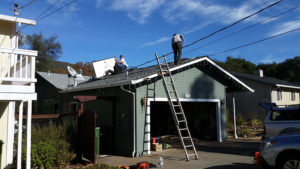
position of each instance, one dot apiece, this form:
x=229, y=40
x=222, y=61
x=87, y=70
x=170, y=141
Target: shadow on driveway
x=230, y=147
x=234, y=166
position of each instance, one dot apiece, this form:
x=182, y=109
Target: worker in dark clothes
x=177, y=42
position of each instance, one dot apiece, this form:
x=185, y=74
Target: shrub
x=256, y=122
x=246, y=132
x=60, y=138
x=241, y=121
x=104, y=166
x=43, y=155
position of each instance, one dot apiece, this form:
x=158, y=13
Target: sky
x=91, y=30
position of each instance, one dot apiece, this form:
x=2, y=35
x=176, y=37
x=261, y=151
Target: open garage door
x=201, y=117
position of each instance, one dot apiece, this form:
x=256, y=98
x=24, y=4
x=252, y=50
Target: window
x=279, y=95
x=282, y=115
x=293, y=96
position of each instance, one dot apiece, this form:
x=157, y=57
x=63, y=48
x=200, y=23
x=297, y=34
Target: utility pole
x=16, y=13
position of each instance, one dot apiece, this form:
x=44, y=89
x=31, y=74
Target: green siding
x=193, y=82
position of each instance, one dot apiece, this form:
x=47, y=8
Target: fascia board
x=17, y=20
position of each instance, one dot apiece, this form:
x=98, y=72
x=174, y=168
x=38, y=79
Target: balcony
x=17, y=73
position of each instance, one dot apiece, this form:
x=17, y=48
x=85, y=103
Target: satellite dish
x=71, y=71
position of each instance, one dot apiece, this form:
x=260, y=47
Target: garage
x=201, y=117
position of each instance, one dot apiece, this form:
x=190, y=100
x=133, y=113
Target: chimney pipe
x=259, y=73
x=16, y=13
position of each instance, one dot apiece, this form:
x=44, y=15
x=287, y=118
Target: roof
x=60, y=81
x=17, y=20
x=136, y=76
x=267, y=80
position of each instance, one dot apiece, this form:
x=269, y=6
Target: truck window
x=283, y=115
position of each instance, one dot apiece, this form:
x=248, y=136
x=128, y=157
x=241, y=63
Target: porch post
x=11, y=131
x=28, y=141
x=234, y=117
x=20, y=135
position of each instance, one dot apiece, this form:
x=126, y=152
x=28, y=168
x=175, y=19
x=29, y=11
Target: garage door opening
x=201, y=118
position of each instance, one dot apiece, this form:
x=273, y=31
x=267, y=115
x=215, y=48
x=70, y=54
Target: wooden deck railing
x=17, y=66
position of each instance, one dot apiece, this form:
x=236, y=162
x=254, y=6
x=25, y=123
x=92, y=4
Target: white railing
x=17, y=66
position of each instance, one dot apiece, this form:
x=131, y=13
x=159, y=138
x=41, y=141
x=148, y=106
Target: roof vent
x=259, y=73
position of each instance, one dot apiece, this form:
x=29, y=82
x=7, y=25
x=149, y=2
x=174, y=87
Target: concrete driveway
x=232, y=154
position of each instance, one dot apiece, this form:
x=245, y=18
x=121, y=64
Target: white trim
x=287, y=86
x=20, y=130
x=17, y=96
x=193, y=62
x=16, y=89
x=16, y=19
x=16, y=79
x=28, y=141
x=19, y=51
x=218, y=114
x=11, y=131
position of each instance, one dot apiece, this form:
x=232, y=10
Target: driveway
x=232, y=154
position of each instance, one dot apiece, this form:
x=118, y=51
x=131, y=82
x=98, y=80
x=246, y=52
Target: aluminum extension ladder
x=176, y=107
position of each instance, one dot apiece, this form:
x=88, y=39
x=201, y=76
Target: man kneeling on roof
x=119, y=67
x=122, y=63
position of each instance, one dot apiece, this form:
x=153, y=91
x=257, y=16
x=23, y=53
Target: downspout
x=134, y=123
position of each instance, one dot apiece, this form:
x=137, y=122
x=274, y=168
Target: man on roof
x=122, y=63
x=177, y=42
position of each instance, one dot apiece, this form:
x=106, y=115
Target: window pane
x=282, y=115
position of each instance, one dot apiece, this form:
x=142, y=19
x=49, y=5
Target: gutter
x=287, y=86
x=134, y=123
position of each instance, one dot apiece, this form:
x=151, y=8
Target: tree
x=48, y=50
x=238, y=65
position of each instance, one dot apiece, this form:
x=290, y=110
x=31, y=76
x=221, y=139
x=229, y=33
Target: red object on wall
x=153, y=140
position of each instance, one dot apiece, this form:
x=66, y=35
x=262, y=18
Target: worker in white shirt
x=122, y=63
x=177, y=42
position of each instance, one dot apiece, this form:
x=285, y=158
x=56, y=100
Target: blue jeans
x=123, y=67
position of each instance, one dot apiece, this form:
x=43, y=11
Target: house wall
x=191, y=83
x=286, y=97
x=46, y=94
x=6, y=31
x=122, y=123
x=247, y=104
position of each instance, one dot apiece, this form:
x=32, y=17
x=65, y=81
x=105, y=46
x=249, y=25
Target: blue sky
x=98, y=29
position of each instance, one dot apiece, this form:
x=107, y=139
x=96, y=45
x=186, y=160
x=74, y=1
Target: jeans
x=177, y=49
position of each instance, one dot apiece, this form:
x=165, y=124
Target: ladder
x=176, y=107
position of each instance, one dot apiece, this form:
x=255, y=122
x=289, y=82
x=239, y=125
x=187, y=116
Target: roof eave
x=17, y=20
x=193, y=62
x=287, y=86
x=96, y=87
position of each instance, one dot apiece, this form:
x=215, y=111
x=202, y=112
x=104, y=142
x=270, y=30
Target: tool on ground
x=123, y=167
x=176, y=107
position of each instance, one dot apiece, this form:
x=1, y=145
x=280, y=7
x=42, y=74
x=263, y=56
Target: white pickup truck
x=281, y=120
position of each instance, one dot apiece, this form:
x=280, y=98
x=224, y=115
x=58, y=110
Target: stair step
x=185, y=137
x=191, y=155
x=176, y=105
x=188, y=146
x=180, y=121
x=179, y=113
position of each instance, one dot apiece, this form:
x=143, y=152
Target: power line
x=56, y=10
x=29, y=3
x=47, y=9
x=228, y=26
x=220, y=30
x=241, y=30
x=252, y=43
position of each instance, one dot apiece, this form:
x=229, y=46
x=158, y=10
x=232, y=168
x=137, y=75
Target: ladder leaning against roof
x=176, y=107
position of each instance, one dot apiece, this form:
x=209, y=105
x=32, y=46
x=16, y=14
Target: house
x=17, y=89
x=267, y=90
x=133, y=106
x=48, y=101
